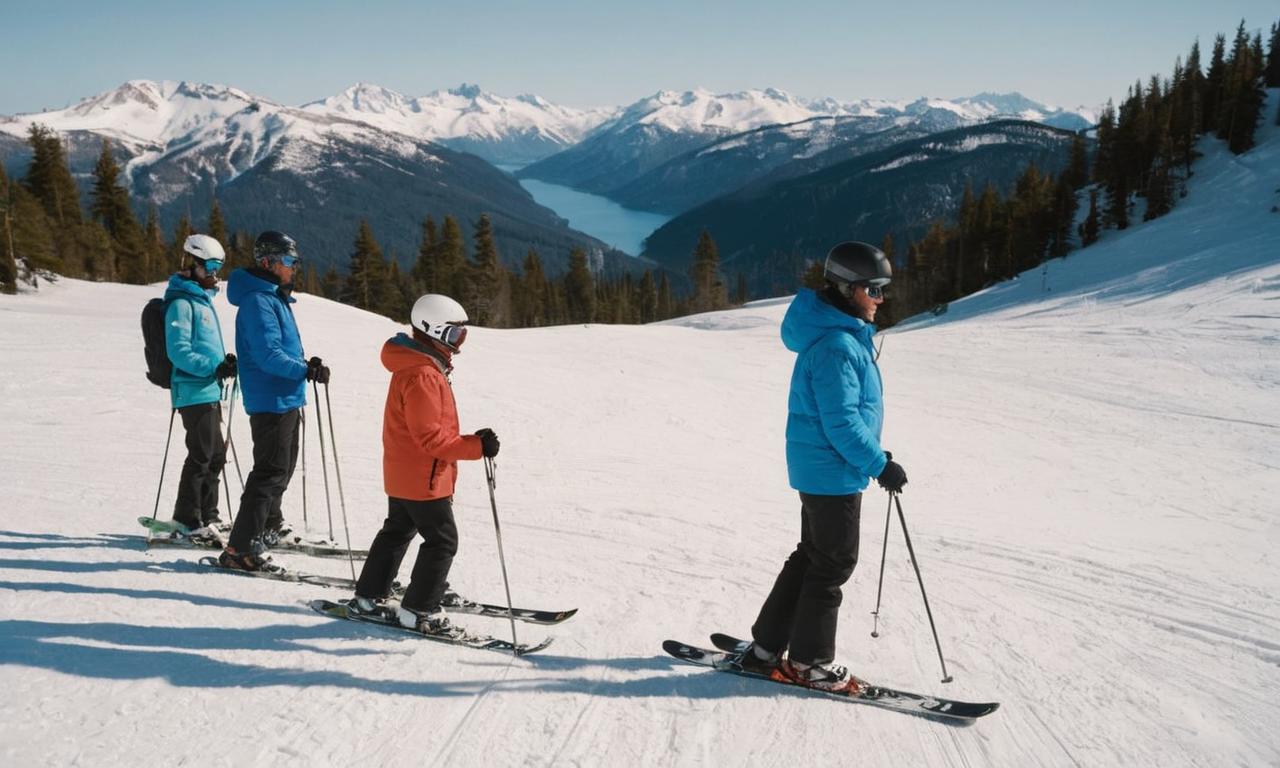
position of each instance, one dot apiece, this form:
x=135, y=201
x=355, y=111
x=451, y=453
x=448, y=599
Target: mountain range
x=373, y=153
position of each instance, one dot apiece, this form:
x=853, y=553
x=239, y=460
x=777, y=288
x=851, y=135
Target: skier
x=273, y=373
x=835, y=411
x=421, y=448
x=193, y=342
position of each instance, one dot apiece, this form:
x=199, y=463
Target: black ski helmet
x=271, y=245
x=853, y=262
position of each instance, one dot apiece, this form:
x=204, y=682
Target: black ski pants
x=801, y=611
x=406, y=519
x=197, y=502
x=275, y=454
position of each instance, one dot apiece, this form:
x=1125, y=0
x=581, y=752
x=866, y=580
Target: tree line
x=1141, y=162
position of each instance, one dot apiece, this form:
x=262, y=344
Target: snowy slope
x=1092, y=501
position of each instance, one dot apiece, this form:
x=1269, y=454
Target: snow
x=1092, y=502
x=466, y=111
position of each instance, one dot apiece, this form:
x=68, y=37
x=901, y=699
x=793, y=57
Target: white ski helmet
x=440, y=318
x=204, y=249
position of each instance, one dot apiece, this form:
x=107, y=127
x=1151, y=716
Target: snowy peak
x=701, y=111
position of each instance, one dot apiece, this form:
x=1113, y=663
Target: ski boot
x=245, y=561
x=831, y=677
x=758, y=661
x=429, y=622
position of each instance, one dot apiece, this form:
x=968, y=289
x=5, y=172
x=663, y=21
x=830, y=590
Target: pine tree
x=426, y=269
x=579, y=289
x=451, y=273
x=365, y=275
x=1077, y=171
x=49, y=178
x=177, y=256
x=647, y=297
x=1272, y=76
x=30, y=235
x=666, y=305
x=1092, y=223
x=331, y=284
x=533, y=292
x=492, y=306
x=8, y=262
x=110, y=208
x=153, y=246
x=1214, y=83
x=708, y=288
x=217, y=226
x=1242, y=94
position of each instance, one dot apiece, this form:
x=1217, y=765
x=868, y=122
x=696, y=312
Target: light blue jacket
x=269, y=355
x=836, y=405
x=193, y=341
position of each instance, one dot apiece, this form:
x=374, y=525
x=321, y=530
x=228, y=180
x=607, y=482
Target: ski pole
x=306, y=526
x=945, y=677
x=324, y=460
x=490, y=476
x=235, y=390
x=884, y=548
x=165, y=462
x=337, y=470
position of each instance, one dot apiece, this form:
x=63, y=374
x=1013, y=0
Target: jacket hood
x=242, y=282
x=401, y=352
x=180, y=286
x=809, y=318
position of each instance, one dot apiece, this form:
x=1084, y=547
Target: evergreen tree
x=8, y=262
x=814, y=276
x=30, y=235
x=177, y=257
x=110, y=208
x=666, y=304
x=217, y=226
x=153, y=246
x=331, y=285
x=492, y=306
x=1242, y=93
x=49, y=178
x=366, y=277
x=400, y=294
x=647, y=297
x=451, y=273
x=1214, y=83
x=533, y=292
x=1092, y=223
x=426, y=269
x=1077, y=171
x=1272, y=74
x=579, y=289
x=240, y=250
x=708, y=288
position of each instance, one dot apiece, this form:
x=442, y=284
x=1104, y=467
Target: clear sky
x=597, y=52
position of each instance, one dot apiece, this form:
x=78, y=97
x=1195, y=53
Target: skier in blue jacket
x=835, y=411
x=193, y=342
x=273, y=376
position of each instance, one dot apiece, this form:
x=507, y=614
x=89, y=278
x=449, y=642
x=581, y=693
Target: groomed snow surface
x=1093, y=501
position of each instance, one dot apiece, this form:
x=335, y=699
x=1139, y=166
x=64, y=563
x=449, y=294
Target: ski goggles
x=874, y=291
x=453, y=335
x=290, y=260
x=212, y=265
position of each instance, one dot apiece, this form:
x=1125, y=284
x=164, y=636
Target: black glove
x=317, y=371
x=888, y=455
x=893, y=477
x=227, y=368
x=488, y=442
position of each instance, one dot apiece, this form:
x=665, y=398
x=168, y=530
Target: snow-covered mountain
x=503, y=130
x=309, y=172
x=671, y=124
x=1092, y=505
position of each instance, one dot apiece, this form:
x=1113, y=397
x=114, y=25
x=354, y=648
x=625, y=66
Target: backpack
x=159, y=367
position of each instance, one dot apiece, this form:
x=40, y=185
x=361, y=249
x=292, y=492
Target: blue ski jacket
x=836, y=405
x=193, y=341
x=269, y=356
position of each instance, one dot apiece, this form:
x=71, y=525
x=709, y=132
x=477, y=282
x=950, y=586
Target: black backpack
x=159, y=367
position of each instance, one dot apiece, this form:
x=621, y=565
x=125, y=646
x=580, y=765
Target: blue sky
x=584, y=53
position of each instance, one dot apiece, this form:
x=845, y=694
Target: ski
x=724, y=659
x=166, y=533
x=279, y=573
x=340, y=610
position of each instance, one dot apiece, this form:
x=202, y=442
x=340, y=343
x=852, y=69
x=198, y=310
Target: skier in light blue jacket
x=193, y=342
x=835, y=412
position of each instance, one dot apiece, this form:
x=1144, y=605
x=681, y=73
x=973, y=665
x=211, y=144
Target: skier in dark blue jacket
x=273, y=376
x=835, y=412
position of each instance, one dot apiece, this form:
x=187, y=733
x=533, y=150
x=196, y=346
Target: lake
x=598, y=216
